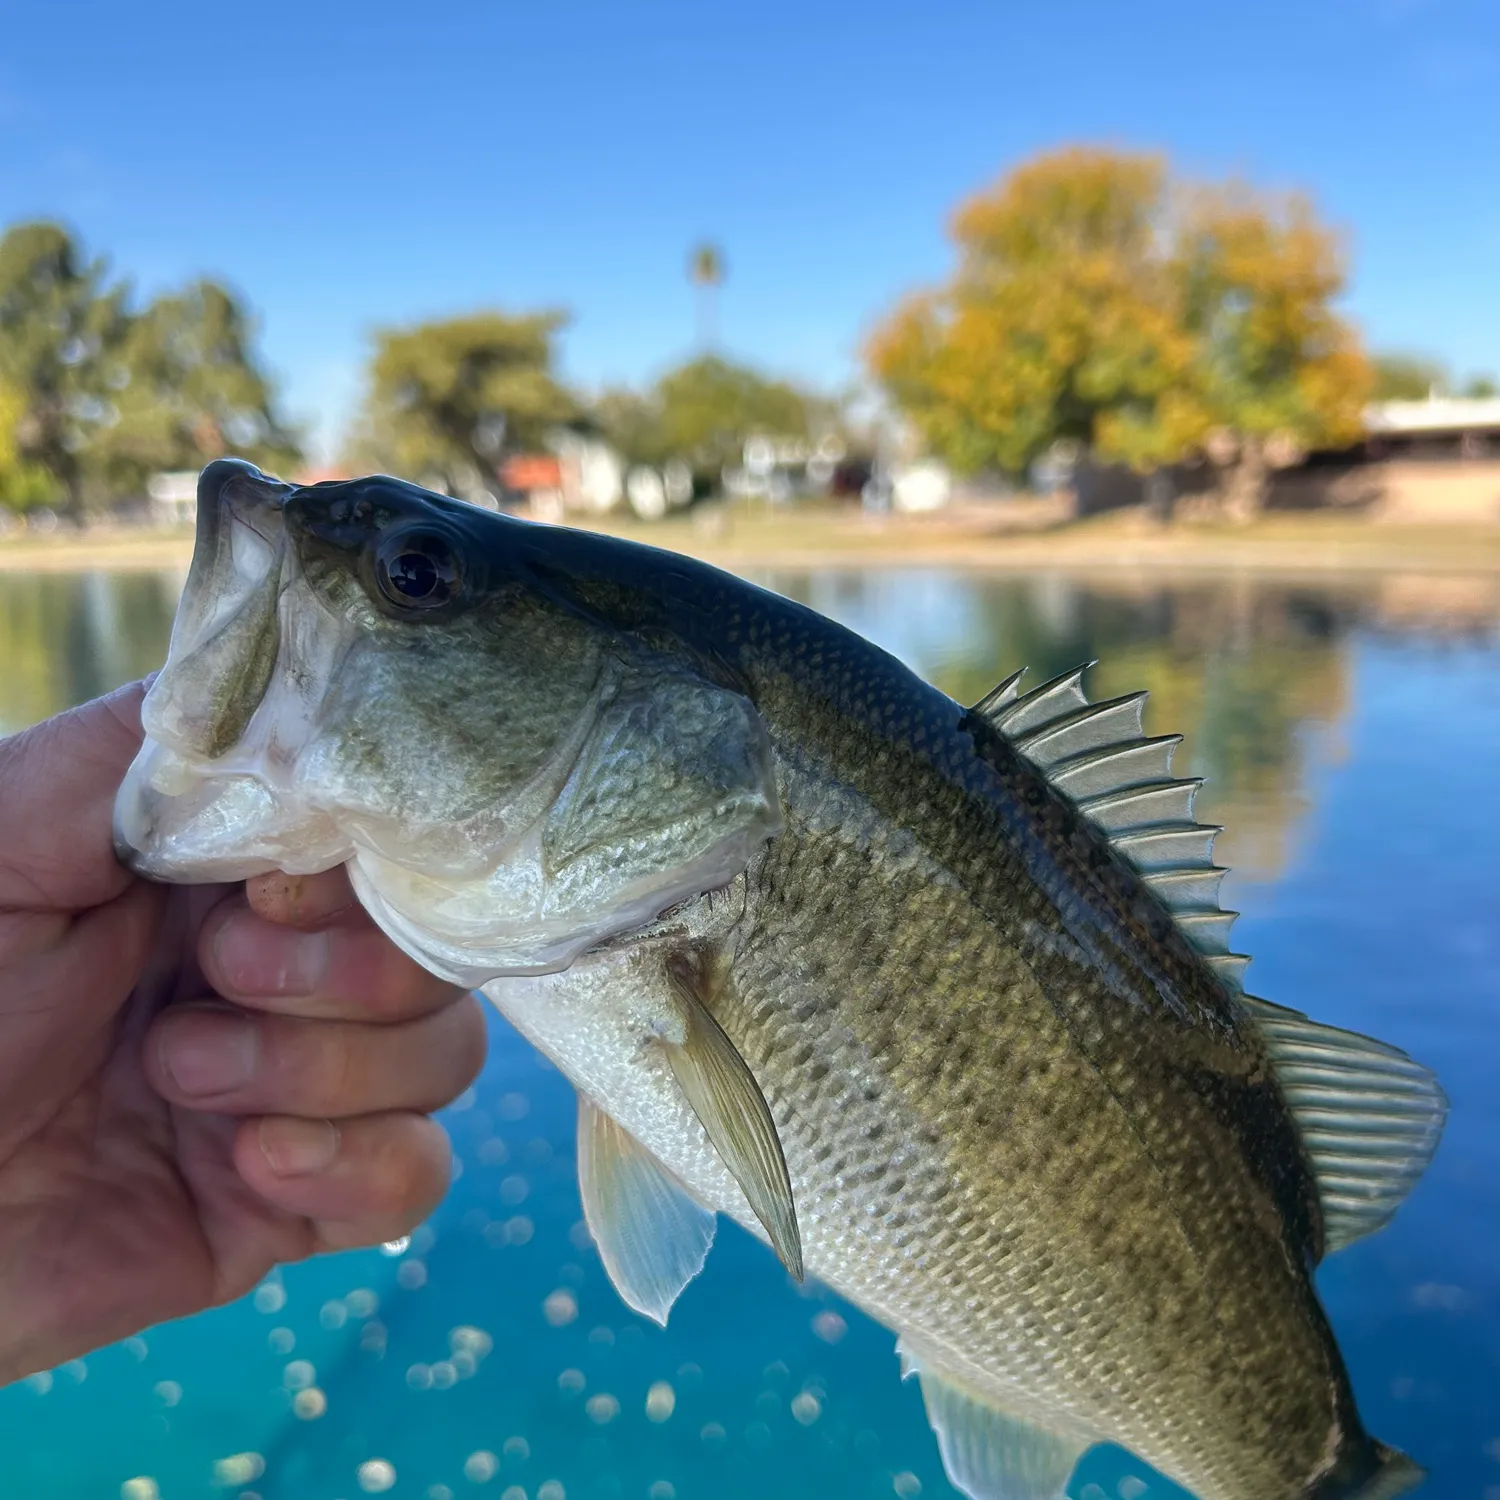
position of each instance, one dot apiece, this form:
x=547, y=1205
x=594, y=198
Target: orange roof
x=531, y=471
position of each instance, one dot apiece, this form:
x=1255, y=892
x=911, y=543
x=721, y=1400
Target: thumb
x=57, y=790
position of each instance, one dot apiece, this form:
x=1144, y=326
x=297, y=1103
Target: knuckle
x=314, y=1065
x=473, y=1045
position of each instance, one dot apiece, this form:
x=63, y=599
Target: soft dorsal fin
x=1370, y=1118
x=989, y=1453
x=652, y=1237
x=1121, y=779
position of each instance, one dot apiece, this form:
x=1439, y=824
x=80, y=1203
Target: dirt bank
x=747, y=539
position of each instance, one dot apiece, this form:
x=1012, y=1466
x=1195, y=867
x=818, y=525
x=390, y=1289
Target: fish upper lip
x=263, y=513
x=271, y=534
x=239, y=491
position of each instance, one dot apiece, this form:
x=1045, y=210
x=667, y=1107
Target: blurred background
x=1162, y=335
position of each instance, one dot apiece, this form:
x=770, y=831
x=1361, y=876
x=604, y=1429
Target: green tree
x=95, y=396
x=1480, y=388
x=631, y=422
x=702, y=412
x=194, y=390
x=447, y=400
x=24, y=484
x=1406, y=377
x=709, y=407
x=1096, y=301
x=61, y=326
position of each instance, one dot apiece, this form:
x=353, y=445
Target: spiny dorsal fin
x=999, y=697
x=1121, y=779
x=1370, y=1118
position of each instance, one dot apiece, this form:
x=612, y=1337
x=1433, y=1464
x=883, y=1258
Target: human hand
x=196, y=1083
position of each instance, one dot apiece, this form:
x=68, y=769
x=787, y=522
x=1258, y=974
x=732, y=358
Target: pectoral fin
x=724, y=1095
x=988, y=1453
x=652, y=1238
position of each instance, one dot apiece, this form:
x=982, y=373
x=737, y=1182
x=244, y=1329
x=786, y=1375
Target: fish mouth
x=241, y=527
x=217, y=737
x=226, y=637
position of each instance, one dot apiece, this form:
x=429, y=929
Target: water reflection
x=1347, y=730
x=66, y=637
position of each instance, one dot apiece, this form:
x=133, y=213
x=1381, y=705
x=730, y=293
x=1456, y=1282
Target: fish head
x=366, y=673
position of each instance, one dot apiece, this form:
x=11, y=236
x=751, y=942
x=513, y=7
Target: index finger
x=58, y=781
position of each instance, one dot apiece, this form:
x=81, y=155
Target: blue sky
x=348, y=165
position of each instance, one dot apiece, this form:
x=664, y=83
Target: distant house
x=591, y=473
x=174, y=497
x=1433, y=460
x=580, y=474
x=1439, y=427
x=1436, y=460
x=531, y=471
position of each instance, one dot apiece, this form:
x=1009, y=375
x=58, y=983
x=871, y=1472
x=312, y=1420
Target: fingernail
x=298, y=1148
x=208, y=1051
x=255, y=959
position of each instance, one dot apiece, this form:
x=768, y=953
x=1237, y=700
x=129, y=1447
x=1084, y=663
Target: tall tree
x=1057, y=318
x=95, y=395
x=706, y=272
x=447, y=400
x=61, y=326
x=1278, y=371
x=194, y=390
x=24, y=483
x=1095, y=302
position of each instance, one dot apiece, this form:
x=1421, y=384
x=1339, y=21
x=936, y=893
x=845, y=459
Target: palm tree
x=706, y=272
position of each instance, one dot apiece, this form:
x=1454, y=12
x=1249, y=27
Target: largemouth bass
x=936, y=1001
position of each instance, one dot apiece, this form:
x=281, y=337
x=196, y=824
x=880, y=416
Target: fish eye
x=417, y=570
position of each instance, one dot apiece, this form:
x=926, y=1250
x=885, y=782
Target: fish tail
x=1384, y=1473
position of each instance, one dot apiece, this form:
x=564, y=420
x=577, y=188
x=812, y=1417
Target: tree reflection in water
x=66, y=637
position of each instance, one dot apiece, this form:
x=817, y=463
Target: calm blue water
x=1351, y=732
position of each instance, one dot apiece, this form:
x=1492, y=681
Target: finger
x=300, y=900
x=361, y=1182
x=346, y=969
x=64, y=983
x=58, y=782
x=233, y=1061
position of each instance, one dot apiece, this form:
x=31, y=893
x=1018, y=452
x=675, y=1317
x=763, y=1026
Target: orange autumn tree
x=1094, y=302
x=1276, y=368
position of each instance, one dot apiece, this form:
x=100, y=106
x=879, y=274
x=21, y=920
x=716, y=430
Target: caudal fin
x=1385, y=1473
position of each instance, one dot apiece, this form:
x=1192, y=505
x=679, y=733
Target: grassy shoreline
x=819, y=539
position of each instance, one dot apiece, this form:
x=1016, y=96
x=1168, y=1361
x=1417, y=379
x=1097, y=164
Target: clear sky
x=352, y=164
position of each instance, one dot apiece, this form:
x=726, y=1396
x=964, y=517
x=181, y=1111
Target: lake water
x=1350, y=731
